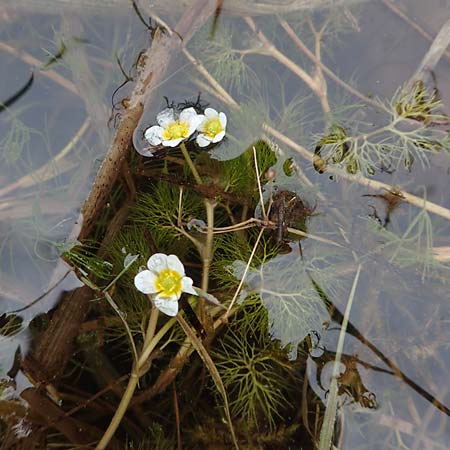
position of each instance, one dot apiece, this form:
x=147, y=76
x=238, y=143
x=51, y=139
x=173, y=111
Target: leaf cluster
x=84, y=258
x=410, y=135
x=224, y=55
x=161, y=211
x=257, y=376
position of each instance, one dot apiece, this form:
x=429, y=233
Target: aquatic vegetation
x=225, y=227
x=164, y=280
x=16, y=141
x=258, y=378
x=294, y=308
x=84, y=258
x=225, y=55
x=408, y=137
x=411, y=247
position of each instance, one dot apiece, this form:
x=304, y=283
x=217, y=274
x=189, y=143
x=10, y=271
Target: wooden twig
x=425, y=70
x=153, y=66
x=270, y=49
x=412, y=23
x=41, y=364
x=305, y=50
x=369, y=182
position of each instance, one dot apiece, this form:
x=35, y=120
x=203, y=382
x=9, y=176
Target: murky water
x=64, y=78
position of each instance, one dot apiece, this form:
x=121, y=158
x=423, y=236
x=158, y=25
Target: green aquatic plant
x=10, y=324
x=164, y=212
x=409, y=136
x=132, y=240
x=16, y=140
x=232, y=247
x=238, y=174
x=85, y=259
x=412, y=246
x=257, y=377
x=155, y=440
x=225, y=54
x=294, y=307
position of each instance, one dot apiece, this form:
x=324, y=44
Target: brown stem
x=270, y=48
x=291, y=33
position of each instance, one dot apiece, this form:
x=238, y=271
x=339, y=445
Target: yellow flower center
x=176, y=130
x=168, y=283
x=212, y=127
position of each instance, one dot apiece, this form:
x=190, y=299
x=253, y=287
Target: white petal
x=157, y=262
x=187, y=286
x=211, y=113
x=172, y=142
x=202, y=122
x=188, y=114
x=202, y=140
x=167, y=306
x=223, y=120
x=165, y=117
x=194, y=124
x=145, y=282
x=218, y=137
x=153, y=135
x=174, y=263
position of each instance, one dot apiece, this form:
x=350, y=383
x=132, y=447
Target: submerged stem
x=150, y=342
x=190, y=163
x=208, y=250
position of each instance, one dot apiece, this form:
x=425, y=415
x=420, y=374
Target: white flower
x=170, y=130
x=165, y=279
x=212, y=128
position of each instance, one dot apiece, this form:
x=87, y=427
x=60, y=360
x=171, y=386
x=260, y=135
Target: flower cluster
x=172, y=130
x=165, y=280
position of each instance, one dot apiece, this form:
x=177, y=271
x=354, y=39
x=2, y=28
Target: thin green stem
x=190, y=163
x=120, y=411
x=151, y=327
x=244, y=275
x=158, y=336
x=207, y=254
x=208, y=250
x=150, y=342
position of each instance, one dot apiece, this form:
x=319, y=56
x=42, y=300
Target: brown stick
x=433, y=56
x=154, y=63
x=45, y=365
x=412, y=23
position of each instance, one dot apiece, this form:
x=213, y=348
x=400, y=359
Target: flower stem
x=208, y=249
x=190, y=163
x=150, y=342
x=207, y=255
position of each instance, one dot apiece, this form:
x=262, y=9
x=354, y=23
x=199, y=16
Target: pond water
x=360, y=167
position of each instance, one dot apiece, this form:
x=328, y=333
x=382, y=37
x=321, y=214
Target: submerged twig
x=433, y=56
x=304, y=49
x=153, y=65
x=412, y=23
x=35, y=63
x=326, y=433
x=371, y=183
x=204, y=355
x=270, y=49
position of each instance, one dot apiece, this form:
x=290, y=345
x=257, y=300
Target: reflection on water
x=60, y=78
